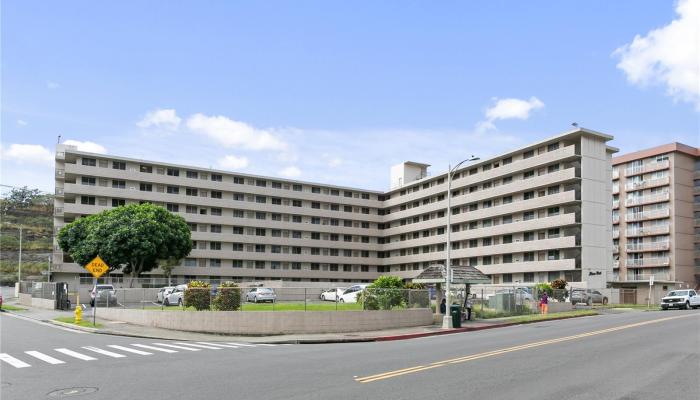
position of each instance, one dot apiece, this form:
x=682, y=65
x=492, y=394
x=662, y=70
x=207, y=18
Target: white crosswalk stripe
x=219, y=345
x=130, y=350
x=145, y=346
x=13, y=361
x=44, y=357
x=104, y=352
x=75, y=354
x=199, y=346
x=177, y=347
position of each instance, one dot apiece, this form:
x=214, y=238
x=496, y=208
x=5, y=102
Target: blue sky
x=338, y=92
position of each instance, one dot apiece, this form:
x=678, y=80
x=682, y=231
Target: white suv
x=681, y=298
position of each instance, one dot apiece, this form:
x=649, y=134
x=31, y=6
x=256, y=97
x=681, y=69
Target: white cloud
x=22, y=122
x=291, y=172
x=332, y=161
x=89, y=147
x=513, y=108
x=234, y=134
x=233, y=162
x=668, y=56
x=28, y=154
x=165, y=119
x=52, y=85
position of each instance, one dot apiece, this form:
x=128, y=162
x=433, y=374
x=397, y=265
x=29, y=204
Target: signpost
x=97, y=267
x=651, y=290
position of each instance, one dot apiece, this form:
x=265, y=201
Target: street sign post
x=97, y=267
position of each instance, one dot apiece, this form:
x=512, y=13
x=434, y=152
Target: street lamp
x=447, y=319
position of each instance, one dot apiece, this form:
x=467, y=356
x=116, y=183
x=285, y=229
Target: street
x=634, y=355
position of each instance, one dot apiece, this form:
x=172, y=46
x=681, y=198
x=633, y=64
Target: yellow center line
x=419, y=368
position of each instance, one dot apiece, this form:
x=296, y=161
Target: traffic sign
x=97, y=267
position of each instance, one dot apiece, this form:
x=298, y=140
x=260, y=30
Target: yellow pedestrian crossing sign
x=97, y=267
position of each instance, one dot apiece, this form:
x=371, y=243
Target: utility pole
x=19, y=266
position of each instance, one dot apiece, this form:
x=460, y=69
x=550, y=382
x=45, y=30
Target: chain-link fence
x=259, y=298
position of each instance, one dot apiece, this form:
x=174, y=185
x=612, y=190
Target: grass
x=279, y=306
x=541, y=317
x=12, y=308
x=85, y=322
x=652, y=306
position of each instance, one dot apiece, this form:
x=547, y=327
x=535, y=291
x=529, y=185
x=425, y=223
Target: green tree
x=385, y=293
x=228, y=297
x=198, y=295
x=135, y=238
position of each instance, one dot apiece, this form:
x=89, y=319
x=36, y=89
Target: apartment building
x=655, y=233
x=533, y=214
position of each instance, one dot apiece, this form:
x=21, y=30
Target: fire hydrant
x=78, y=312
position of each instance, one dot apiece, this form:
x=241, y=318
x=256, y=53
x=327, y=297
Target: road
x=633, y=355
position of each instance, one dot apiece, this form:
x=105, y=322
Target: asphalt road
x=635, y=355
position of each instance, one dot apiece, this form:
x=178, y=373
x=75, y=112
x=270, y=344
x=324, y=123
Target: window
x=238, y=214
x=507, y=239
x=528, y=195
x=365, y=196
x=529, y=256
x=529, y=236
x=347, y=208
x=216, y=211
x=553, y=211
x=237, y=230
x=528, y=215
x=296, y=219
x=238, y=180
x=296, y=188
x=315, y=189
x=507, y=258
x=474, y=243
x=296, y=250
x=275, y=249
x=217, y=177
x=553, y=255
x=529, y=277
x=553, y=168
x=215, y=229
x=193, y=226
x=277, y=185
x=173, y=172
x=172, y=207
x=173, y=190
x=215, y=194
x=507, y=161
x=552, y=147
x=276, y=233
x=316, y=205
x=89, y=181
x=87, y=200
x=276, y=201
x=507, y=180
x=214, y=245
x=146, y=187
x=259, y=231
x=260, y=215
x=315, y=220
x=260, y=265
x=486, y=260
x=276, y=217
x=507, y=199
x=528, y=174
x=190, y=262
x=335, y=207
x=118, y=184
x=89, y=162
x=191, y=209
x=553, y=233
x=486, y=241
x=507, y=219
x=215, y=262
x=119, y=165
x=259, y=248
x=147, y=169
x=260, y=183
x=315, y=266
x=528, y=154
x=552, y=190
x=335, y=192
x=118, y=202
x=296, y=203
x=260, y=199
x=192, y=174
x=191, y=192
x=296, y=235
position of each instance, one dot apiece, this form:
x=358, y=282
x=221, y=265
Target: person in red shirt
x=544, y=301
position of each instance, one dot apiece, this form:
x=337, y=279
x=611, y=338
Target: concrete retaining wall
x=28, y=300
x=270, y=323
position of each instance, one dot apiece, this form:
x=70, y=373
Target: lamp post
x=447, y=319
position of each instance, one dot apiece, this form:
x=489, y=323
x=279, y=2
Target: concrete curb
x=71, y=326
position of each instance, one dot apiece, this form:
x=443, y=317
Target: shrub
x=543, y=287
x=228, y=297
x=197, y=295
x=385, y=293
x=559, y=286
x=415, y=286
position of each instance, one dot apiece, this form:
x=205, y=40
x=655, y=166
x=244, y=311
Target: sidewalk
x=124, y=329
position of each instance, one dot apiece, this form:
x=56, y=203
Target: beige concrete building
x=532, y=214
x=655, y=233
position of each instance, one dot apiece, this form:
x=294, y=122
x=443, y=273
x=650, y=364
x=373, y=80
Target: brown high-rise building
x=656, y=219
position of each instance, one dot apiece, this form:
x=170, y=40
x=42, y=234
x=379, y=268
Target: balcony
x=651, y=198
x=616, y=219
x=653, y=246
x=616, y=249
x=648, y=183
x=616, y=204
x=616, y=234
x=616, y=173
x=650, y=167
x=616, y=189
x=648, y=262
x=616, y=264
x=646, y=215
x=632, y=277
x=528, y=266
x=646, y=231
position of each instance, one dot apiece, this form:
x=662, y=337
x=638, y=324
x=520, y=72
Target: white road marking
x=219, y=344
x=44, y=357
x=199, y=346
x=243, y=344
x=105, y=352
x=145, y=346
x=267, y=344
x=75, y=354
x=130, y=350
x=13, y=361
x=36, y=321
x=177, y=347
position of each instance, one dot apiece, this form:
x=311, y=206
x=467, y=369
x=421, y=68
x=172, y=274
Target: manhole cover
x=70, y=392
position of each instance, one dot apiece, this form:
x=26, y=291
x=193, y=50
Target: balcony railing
x=616, y=173
x=616, y=234
x=648, y=262
x=616, y=248
x=648, y=246
x=651, y=198
x=616, y=219
x=616, y=204
x=659, y=276
x=652, y=230
x=640, y=169
x=647, y=183
x=651, y=214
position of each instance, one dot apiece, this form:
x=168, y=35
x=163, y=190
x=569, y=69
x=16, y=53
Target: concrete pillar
x=438, y=300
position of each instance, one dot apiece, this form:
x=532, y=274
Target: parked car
x=681, y=298
x=103, y=295
x=332, y=294
x=176, y=296
x=588, y=296
x=521, y=293
x=257, y=295
x=164, y=291
x=350, y=294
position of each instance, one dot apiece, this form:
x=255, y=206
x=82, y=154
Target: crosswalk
x=63, y=355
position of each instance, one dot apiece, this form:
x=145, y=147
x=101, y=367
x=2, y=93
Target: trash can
x=456, y=313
